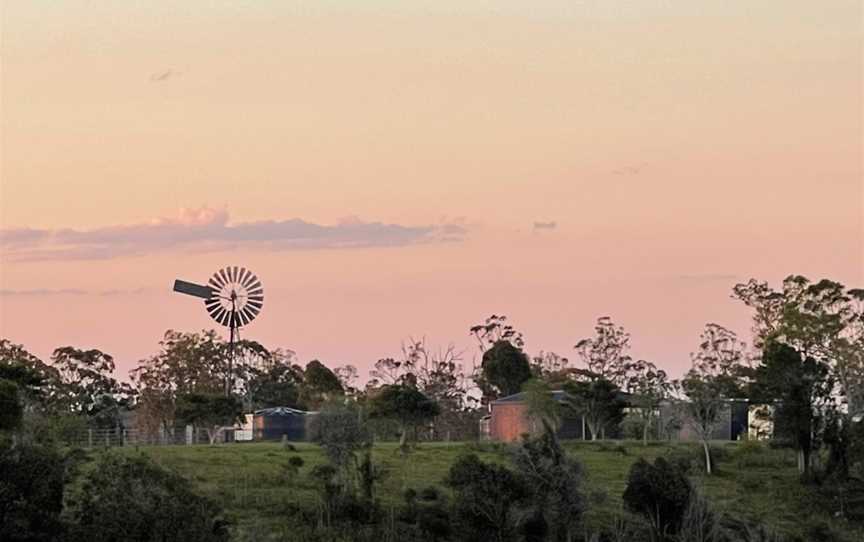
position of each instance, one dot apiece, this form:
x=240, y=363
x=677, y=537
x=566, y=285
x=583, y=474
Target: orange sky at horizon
x=670, y=150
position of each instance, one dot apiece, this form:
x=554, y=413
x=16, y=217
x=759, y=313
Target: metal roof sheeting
x=282, y=411
x=558, y=395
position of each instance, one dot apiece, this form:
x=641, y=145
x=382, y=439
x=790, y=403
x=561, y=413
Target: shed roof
x=282, y=411
x=559, y=396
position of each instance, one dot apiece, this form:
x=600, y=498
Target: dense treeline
x=805, y=363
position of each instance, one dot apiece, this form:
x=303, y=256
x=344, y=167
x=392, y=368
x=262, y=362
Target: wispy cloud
x=209, y=230
x=629, y=170
x=42, y=292
x=164, y=75
x=707, y=277
x=550, y=225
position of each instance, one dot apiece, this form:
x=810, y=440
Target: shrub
x=292, y=467
x=598, y=497
x=624, y=528
x=11, y=409
x=632, y=426
x=555, y=481
x=661, y=494
x=425, y=515
x=700, y=522
x=755, y=454
x=57, y=428
x=133, y=499
x=369, y=474
x=430, y=493
x=742, y=531
x=433, y=521
x=821, y=531
x=856, y=450
x=844, y=499
x=341, y=434
x=691, y=459
x=31, y=493
x=687, y=459
x=487, y=499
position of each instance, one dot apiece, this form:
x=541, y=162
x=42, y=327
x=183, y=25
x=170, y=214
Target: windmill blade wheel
x=237, y=299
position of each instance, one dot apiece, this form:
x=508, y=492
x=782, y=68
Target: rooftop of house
x=558, y=395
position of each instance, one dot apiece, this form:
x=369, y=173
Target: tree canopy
x=800, y=388
x=648, y=387
x=11, y=409
x=405, y=404
x=716, y=375
x=504, y=369
x=598, y=400
x=132, y=498
x=320, y=384
x=210, y=411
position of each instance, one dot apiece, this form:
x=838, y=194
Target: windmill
x=233, y=297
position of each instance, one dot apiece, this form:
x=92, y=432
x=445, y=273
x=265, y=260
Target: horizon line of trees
x=806, y=358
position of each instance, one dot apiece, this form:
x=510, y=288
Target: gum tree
x=715, y=376
x=649, y=387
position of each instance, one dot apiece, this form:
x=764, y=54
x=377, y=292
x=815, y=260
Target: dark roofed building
x=733, y=421
x=273, y=423
x=508, y=420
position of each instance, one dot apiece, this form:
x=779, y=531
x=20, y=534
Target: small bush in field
x=821, y=531
x=292, y=467
x=555, y=482
x=661, y=494
x=743, y=531
x=31, y=492
x=687, y=459
x=691, y=459
x=701, y=523
x=632, y=426
x=132, y=498
x=430, y=493
x=487, y=499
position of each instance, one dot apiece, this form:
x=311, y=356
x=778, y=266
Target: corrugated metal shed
x=273, y=423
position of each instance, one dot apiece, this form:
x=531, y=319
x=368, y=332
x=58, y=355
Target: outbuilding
x=278, y=422
x=509, y=419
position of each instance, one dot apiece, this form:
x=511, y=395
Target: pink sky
x=387, y=170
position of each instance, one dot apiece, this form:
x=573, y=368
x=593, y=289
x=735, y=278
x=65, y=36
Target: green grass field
x=753, y=482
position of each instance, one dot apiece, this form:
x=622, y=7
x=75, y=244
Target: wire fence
x=189, y=436
x=109, y=438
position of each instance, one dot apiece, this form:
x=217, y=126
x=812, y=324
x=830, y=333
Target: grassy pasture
x=752, y=482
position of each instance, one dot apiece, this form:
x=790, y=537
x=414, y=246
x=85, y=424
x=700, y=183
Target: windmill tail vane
x=233, y=297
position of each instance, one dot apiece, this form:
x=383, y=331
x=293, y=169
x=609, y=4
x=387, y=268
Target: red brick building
x=508, y=419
